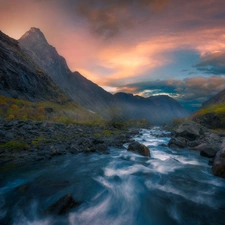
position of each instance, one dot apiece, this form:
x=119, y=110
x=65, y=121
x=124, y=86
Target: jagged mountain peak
x=34, y=35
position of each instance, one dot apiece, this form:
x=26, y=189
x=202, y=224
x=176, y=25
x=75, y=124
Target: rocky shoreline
x=207, y=142
x=28, y=141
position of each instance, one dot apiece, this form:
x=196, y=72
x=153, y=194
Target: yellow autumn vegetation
x=69, y=112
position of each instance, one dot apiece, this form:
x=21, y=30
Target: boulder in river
x=178, y=142
x=218, y=168
x=63, y=205
x=139, y=148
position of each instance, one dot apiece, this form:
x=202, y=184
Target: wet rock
x=23, y=188
x=101, y=147
x=193, y=143
x=213, y=140
x=210, y=162
x=139, y=148
x=63, y=205
x=178, y=142
x=85, y=142
x=9, y=136
x=73, y=148
x=2, y=134
x=134, y=132
x=189, y=130
x=206, y=149
x=208, y=152
x=218, y=167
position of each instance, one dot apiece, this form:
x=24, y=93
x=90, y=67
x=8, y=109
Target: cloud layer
x=189, y=90
x=168, y=46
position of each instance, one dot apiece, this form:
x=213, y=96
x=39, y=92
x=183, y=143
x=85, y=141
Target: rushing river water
x=121, y=188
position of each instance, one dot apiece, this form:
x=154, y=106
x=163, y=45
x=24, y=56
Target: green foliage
x=36, y=142
x=216, y=109
x=14, y=145
x=24, y=110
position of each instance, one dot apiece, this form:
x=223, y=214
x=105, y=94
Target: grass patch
x=14, y=145
x=67, y=113
x=217, y=110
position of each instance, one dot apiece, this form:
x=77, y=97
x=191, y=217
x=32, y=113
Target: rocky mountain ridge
x=31, y=69
x=21, y=78
x=90, y=95
x=80, y=89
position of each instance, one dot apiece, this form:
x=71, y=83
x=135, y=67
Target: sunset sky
x=145, y=47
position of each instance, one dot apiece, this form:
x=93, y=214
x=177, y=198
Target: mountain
x=160, y=109
x=212, y=112
x=21, y=78
x=80, y=89
x=156, y=109
x=216, y=99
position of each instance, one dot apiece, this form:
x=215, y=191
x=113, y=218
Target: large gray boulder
x=139, y=148
x=218, y=167
x=189, y=130
x=178, y=142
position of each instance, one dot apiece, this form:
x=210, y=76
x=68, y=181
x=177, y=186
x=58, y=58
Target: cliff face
x=80, y=89
x=21, y=77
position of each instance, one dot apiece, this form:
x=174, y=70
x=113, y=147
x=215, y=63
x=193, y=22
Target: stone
x=178, y=142
x=139, y=148
x=205, y=149
x=218, y=167
x=101, y=147
x=9, y=136
x=73, y=148
x=2, y=134
x=208, y=152
x=193, y=143
x=189, y=130
x=63, y=205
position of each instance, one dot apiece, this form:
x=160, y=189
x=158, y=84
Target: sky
x=143, y=47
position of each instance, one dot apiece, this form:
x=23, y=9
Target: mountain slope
x=216, y=99
x=212, y=112
x=156, y=109
x=21, y=78
x=80, y=89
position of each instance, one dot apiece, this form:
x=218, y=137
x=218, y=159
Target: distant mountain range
x=158, y=109
x=32, y=69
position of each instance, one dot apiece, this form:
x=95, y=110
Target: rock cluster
x=195, y=137
x=218, y=168
x=25, y=141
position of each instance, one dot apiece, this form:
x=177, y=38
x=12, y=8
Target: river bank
x=172, y=187
x=28, y=141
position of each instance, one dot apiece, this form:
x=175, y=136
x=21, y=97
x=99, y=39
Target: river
x=120, y=188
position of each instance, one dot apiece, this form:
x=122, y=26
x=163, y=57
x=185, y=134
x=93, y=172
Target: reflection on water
x=171, y=187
